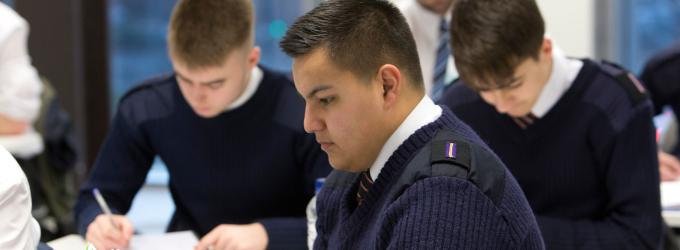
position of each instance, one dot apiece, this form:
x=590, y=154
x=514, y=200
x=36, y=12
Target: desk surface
x=72, y=241
x=168, y=241
x=672, y=218
x=670, y=201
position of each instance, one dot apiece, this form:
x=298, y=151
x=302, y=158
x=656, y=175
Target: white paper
x=670, y=195
x=72, y=241
x=184, y=240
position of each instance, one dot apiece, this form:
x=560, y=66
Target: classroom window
x=647, y=26
x=137, y=50
x=8, y=2
x=137, y=32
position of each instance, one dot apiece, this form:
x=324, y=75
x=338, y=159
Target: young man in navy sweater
x=577, y=134
x=409, y=174
x=241, y=166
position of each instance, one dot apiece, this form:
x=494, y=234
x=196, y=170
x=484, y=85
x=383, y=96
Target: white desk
x=72, y=241
x=670, y=202
x=672, y=218
x=168, y=241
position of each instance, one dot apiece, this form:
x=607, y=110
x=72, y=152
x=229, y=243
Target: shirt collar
x=427, y=20
x=564, y=71
x=255, y=79
x=424, y=113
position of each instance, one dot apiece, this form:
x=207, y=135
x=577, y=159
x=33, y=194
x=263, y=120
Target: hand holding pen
x=108, y=231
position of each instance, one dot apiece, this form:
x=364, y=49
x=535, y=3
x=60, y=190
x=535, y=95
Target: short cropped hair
x=490, y=38
x=202, y=33
x=358, y=35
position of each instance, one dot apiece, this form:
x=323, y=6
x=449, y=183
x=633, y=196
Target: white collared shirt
x=424, y=113
x=253, y=83
x=564, y=72
x=24, y=145
x=18, y=228
x=20, y=86
x=424, y=25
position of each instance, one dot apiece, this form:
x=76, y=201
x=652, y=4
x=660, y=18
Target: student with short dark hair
x=577, y=134
x=409, y=174
x=242, y=168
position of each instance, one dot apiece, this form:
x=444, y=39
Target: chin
x=515, y=114
x=519, y=113
x=344, y=166
x=334, y=163
x=205, y=114
x=338, y=164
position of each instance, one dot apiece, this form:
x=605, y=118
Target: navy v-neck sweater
x=437, y=212
x=251, y=164
x=588, y=167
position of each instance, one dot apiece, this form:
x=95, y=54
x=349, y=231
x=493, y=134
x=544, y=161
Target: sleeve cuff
x=286, y=233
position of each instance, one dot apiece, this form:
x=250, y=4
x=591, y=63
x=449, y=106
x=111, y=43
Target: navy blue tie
x=442, y=59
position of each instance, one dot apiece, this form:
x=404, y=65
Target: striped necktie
x=441, y=61
x=525, y=121
x=365, y=182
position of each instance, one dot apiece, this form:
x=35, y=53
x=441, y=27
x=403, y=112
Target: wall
x=571, y=24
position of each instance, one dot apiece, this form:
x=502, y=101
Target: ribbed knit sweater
x=251, y=164
x=433, y=213
x=588, y=167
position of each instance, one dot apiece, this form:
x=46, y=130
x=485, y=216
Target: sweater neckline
x=243, y=109
x=394, y=166
x=555, y=114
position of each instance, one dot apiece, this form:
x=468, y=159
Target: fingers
x=664, y=174
x=124, y=226
x=667, y=174
x=104, y=235
x=668, y=159
x=669, y=167
x=226, y=242
x=252, y=236
x=209, y=240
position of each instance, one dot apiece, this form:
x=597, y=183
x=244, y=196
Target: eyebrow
x=219, y=80
x=317, y=90
x=513, y=81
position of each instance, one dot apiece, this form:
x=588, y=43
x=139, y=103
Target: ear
x=546, y=48
x=392, y=83
x=254, y=57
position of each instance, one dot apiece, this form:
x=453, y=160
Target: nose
x=502, y=105
x=501, y=101
x=198, y=93
x=312, y=122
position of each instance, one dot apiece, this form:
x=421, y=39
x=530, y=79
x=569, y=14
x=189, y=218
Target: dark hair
x=358, y=35
x=490, y=38
x=203, y=33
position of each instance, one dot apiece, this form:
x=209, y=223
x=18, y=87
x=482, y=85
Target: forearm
x=86, y=211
